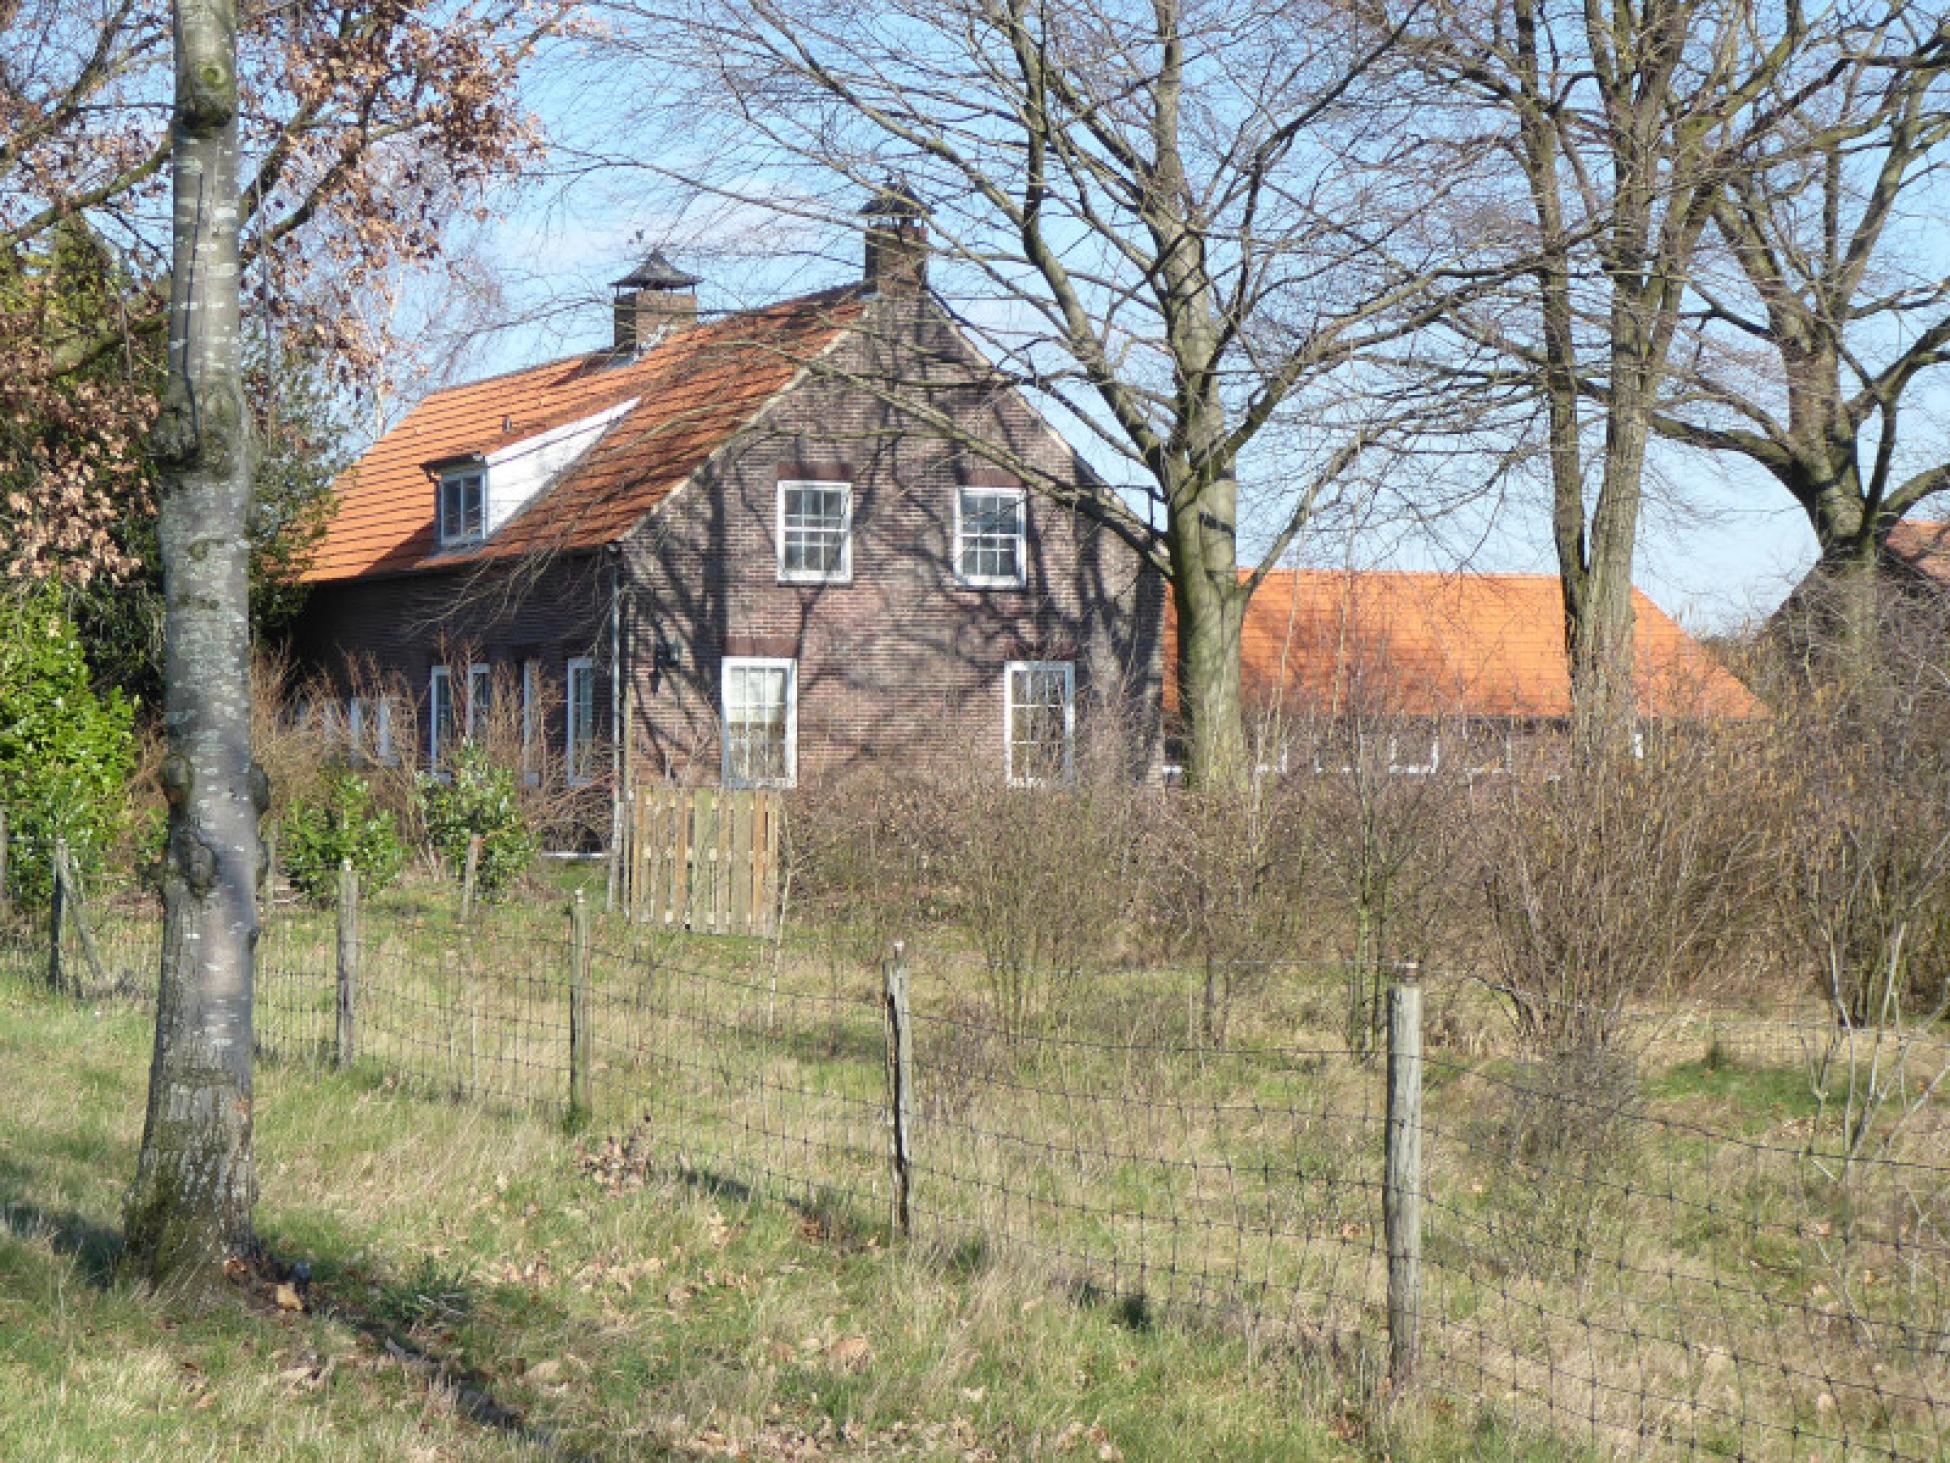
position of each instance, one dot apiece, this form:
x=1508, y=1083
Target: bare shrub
x=1230, y=870
x=1383, y=810
x=1043, y=881
x=1626, y=879
x=1866, y=892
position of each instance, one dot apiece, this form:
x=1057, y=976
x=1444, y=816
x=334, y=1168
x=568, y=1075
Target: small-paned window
x=531, y=713
x=582, y=720
x=480, y=699
x=440, y=714
x=990, y=533
x=463, y=507
x=1039, y=721
x=761, y=717
x=815, y=532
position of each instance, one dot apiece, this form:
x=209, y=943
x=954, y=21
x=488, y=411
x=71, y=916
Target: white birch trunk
x=190, y=1209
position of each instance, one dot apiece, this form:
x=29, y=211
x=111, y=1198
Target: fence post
x=6, y=846
x=1401, y=1195
x=579, y=1106
x=900, y=1084
x=57, y=915
x=346, y=1044
x=471, y=872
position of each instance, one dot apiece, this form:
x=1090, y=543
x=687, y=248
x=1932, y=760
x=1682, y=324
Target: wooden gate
x=703, y=858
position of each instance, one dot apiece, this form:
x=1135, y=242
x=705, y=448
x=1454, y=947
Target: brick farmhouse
x=717, y=553
x=729, y=551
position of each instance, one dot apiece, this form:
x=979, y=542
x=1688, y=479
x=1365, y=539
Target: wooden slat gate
x=703, y=858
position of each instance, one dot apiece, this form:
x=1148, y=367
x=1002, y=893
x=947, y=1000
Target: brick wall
x=903, y=662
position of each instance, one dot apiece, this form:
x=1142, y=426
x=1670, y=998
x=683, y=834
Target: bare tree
x=1833, y=311
x=1621, y=125
x=1180, y=225
x=190, y=1209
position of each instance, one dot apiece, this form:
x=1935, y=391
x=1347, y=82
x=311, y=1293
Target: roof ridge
x=836, y=294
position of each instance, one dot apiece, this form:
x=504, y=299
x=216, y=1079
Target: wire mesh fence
x=1725, y=1235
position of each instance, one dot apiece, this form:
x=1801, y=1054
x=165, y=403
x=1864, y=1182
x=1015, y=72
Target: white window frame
x=759, y=663
x=844, y=574
x=1069, y=669
x=531, y=677
x=383, y=750
x=440, y=682
x=480, y=690
x=993, y=581
x=355, y=724
x=449, y=535
x=1416, y=769
x=575, y=733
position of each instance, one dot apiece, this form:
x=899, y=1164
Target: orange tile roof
x=1451, y=645
x=1922, y=545
x=698, y=388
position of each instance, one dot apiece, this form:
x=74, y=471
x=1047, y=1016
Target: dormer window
x=463, y=506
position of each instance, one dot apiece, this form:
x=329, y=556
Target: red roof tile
x=698, y=388
x=1452, y=645
x=1923, y=545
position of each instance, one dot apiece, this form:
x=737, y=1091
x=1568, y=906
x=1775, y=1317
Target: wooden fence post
x=579, y=1105
x=345, y=1048
x=57, y=915
x=900, y=1085
x=1401, y=1196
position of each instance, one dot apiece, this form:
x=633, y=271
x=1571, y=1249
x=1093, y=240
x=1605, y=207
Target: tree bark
x=190, y=1209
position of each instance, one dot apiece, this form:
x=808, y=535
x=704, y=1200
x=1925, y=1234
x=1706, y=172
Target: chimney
x=897, y=241
x=652, y=300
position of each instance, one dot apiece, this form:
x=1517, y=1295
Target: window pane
x=756, y=724
x=1039, y=721
x=813, y=530
x=991, y=534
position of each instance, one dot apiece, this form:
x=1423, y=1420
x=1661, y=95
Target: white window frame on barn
x=480, y=695
x=1066, y=671
x=580, y=739
x=440, y=714
x=384, y=752
x=802, y=536
x=974, y=535
x=461, y=506
x=738, y=711
x=531, y=677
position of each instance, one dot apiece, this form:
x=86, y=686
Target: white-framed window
x=462, y=506
x=382, y=737
x=991, y=537
x=355, y=724
x=1039, y=721
x=815, y=532
x=761, y=722
x=440, y=714
x=581, y=697
x=480, y=694
x=1415, y=753
x=531, y=713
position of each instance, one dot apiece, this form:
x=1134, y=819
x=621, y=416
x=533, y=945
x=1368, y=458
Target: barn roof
x=1489, y=645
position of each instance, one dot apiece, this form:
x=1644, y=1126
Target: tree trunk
x=190, y=1208
x=1600, y=631
x=1211, y=611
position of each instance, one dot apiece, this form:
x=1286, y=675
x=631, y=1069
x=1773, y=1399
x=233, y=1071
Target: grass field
x=1126, y=1243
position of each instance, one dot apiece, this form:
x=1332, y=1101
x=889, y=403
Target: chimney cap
x=655, y=273
x=895, y=199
